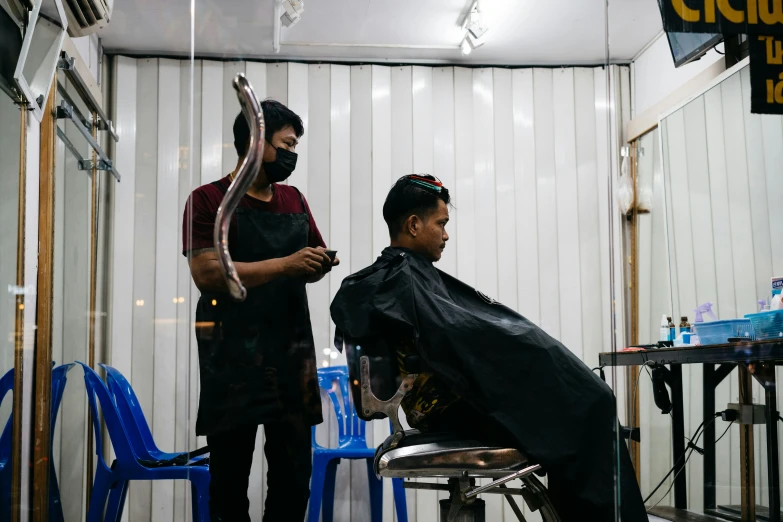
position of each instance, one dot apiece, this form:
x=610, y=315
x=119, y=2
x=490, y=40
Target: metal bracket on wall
x=66, y=63
x=65, y=111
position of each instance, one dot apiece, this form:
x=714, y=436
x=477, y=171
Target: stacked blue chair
x=134, y=420
x=111, y=482
x=59, y=375
x=352, y=445
x=6, y=385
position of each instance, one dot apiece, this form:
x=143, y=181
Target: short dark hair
x=408, y=197
x=276, y=117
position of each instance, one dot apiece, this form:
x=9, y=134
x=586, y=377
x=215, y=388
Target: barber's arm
x=311, y=263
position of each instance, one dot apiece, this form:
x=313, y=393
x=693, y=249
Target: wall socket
x=748, y=413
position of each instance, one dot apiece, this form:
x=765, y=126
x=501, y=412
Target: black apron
x=257, y=358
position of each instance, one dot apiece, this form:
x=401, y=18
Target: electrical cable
x=725, y=432
x=692, y=447
x=686, y=463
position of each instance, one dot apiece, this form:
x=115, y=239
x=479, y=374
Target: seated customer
x=492, y=374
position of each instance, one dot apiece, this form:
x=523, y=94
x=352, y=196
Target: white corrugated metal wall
x=525, y=152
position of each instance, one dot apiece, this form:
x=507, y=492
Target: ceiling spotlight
x=476, y=25
x=466, y=47
x=292, y=11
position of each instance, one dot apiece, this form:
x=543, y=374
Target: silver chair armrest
x=372, y=404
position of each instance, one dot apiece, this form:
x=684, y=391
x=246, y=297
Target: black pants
x=289, y=465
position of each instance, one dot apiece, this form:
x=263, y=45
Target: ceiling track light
x=292, y=11
x=475, y=28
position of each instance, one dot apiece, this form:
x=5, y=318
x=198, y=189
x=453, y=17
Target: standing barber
x=257, y=357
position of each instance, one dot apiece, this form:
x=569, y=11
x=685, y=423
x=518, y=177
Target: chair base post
x=473, y=512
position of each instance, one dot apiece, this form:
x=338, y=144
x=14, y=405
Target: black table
x=756, y=358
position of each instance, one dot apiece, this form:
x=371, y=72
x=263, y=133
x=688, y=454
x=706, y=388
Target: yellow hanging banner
x=751, y=17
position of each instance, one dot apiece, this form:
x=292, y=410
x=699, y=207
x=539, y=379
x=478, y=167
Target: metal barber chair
x=410, y=454
x=405, y=454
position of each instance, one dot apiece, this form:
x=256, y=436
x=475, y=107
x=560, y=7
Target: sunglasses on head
x=429, y=184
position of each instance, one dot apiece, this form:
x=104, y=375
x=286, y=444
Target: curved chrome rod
x=242, y=181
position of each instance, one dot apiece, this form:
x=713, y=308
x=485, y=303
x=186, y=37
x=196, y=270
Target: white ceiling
x=521, y=32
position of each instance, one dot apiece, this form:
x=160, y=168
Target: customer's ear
x=412, y=225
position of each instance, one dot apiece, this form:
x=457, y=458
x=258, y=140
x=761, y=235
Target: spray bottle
x=664, y=332
x=706, y=308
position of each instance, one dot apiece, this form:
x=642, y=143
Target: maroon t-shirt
x=206, y=199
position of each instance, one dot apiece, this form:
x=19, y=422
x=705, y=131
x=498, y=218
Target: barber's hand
x=306, y=262
x=329, y=264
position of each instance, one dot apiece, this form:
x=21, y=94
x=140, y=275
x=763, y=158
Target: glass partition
x=11, y=139
x=722, y=186
x=529, y=151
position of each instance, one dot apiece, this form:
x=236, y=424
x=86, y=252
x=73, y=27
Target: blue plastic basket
x=767, y=325
x=719, y=332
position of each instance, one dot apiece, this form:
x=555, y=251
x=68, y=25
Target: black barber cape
x=560, y=413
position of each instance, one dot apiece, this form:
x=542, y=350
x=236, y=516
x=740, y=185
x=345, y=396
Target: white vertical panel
x=484, y=161
x=211, y=121
x=30, y=277
x=124, y=203
x=319, y=91
x=547, y=202
x=402, y=163
x=762, y=242
x=256, y=75
x=277, y=82
x=443, y=153
x=143, y=356
x=166, y=256
x=58, y=298
x=401, y=122
x=680, y=230
x=361, y=254
x=567, y=209
x=340, y=179
x=588, y=185
x=739, y=195
x=230, y=111
x=381, y=153
x=486, y=207
x=602, y=157
x=381, y=183
x=298, y=101
x=423, y=140
x=772, y=132
x=463, y=197
x=340, y=230
x=505, y=188
x=526, y=194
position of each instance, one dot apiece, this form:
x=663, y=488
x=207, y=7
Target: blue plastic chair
x=133, y=418
x=111, y=482
x=6, y=385
x=352, y=445
x=59, y=375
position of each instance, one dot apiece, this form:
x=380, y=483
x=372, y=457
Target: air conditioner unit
x=87, y=16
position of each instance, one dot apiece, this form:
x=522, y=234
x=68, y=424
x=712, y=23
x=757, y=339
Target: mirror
x=10, y=140
x=724, y=218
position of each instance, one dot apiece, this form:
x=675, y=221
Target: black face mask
x=280, y=169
